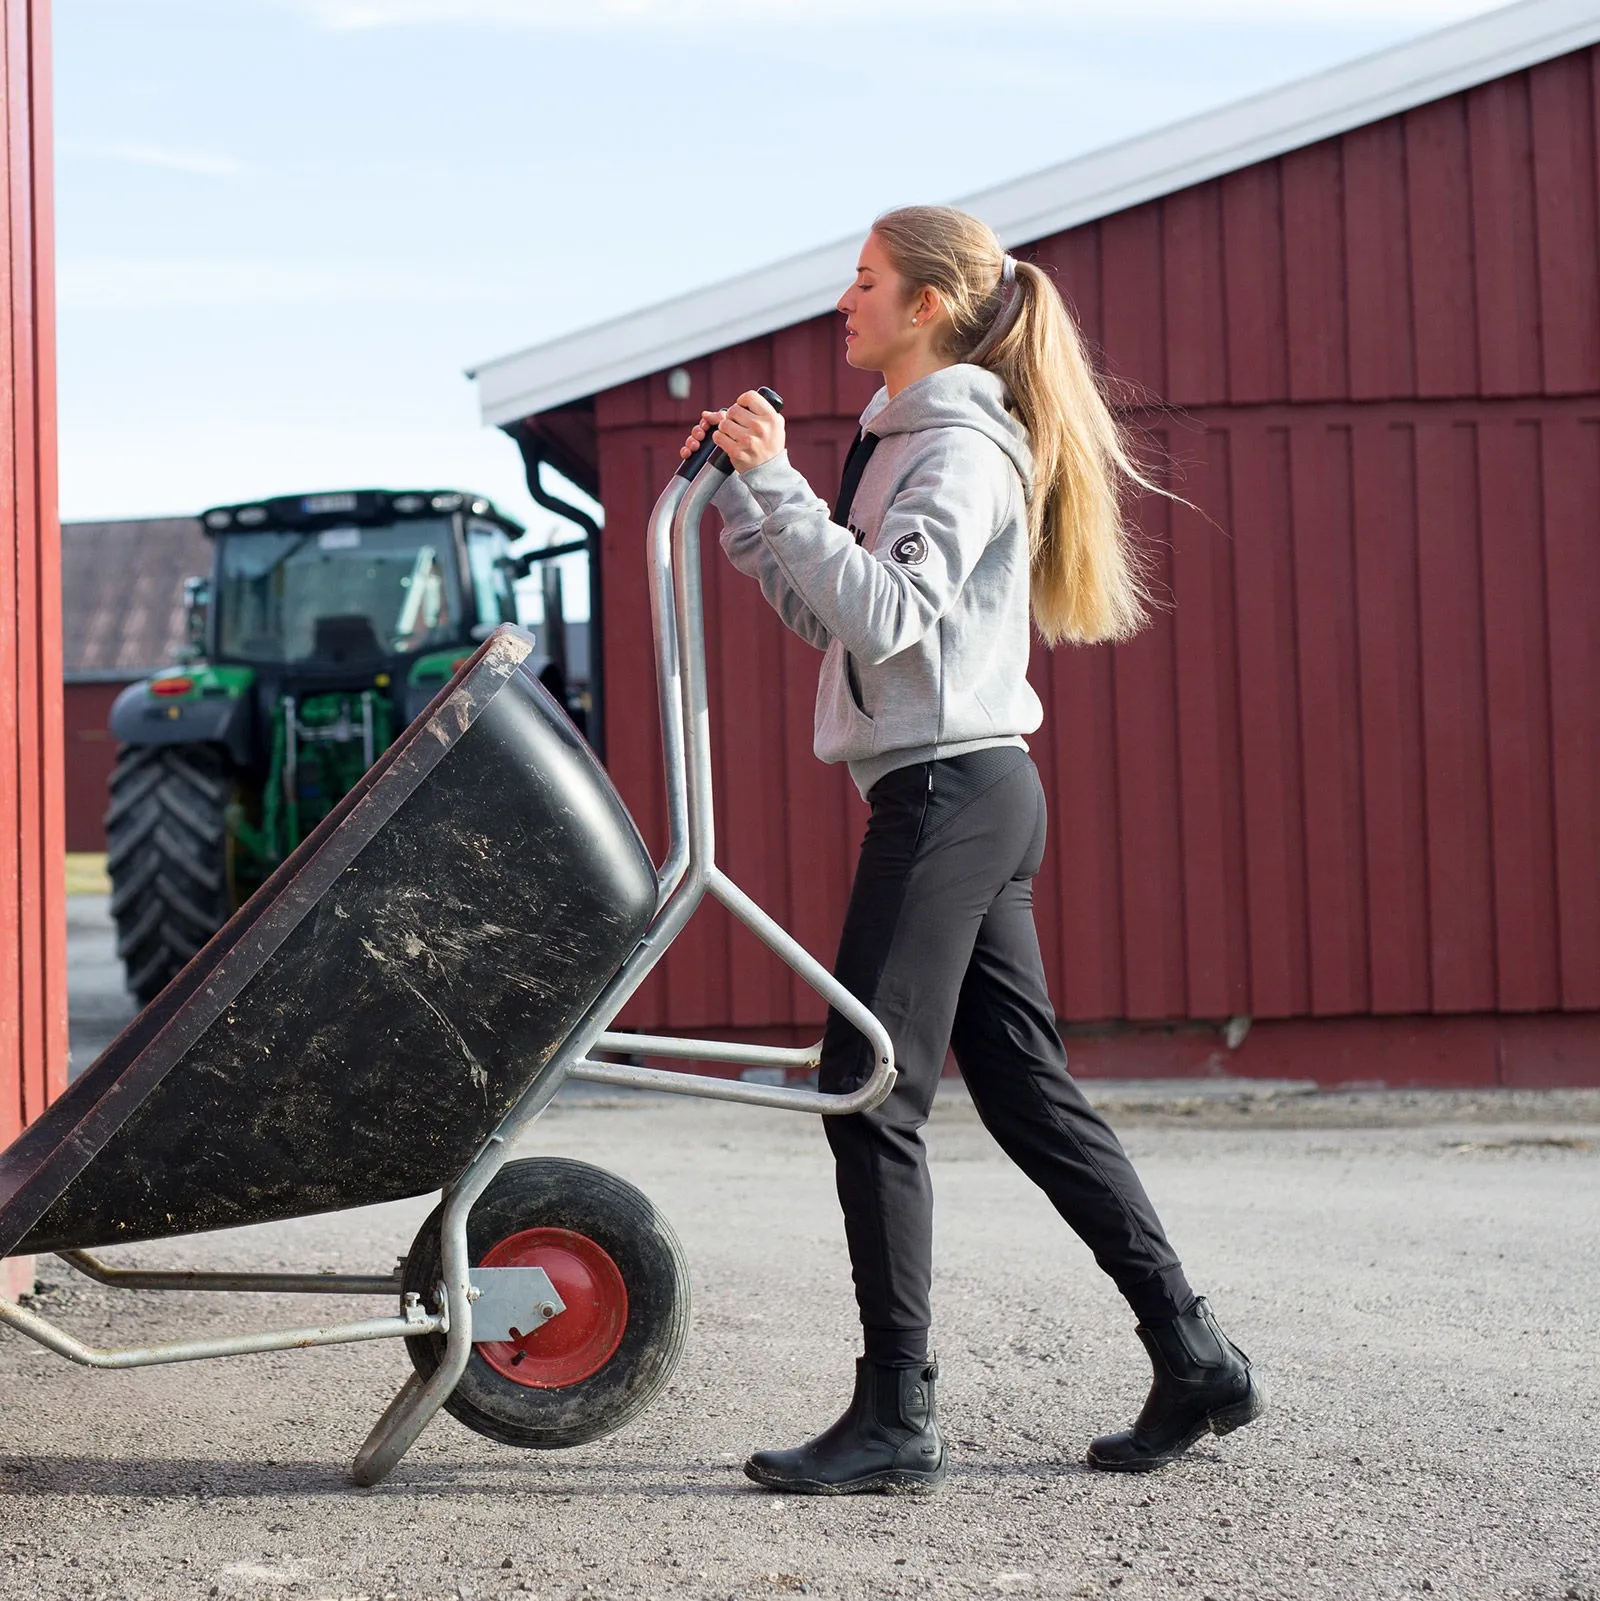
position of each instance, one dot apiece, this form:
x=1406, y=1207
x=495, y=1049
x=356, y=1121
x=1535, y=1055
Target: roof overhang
x=1050, y=201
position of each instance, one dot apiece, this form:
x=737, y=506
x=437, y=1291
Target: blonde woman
x=984, y=485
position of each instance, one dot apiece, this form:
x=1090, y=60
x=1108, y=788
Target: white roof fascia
x=1048, y=202
x=672, y=331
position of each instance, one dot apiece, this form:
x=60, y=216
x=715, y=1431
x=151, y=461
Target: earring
x=915, y=321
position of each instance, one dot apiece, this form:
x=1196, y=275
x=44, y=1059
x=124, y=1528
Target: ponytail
x=1085, y=574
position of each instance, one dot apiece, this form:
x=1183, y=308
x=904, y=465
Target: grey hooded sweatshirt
x=921, y=605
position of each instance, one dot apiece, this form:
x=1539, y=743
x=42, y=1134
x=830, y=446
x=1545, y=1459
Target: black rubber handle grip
x=714, y=453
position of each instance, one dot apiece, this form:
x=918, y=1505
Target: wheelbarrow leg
x=377, y=1457
x=411, y=1411
x=413, y=1408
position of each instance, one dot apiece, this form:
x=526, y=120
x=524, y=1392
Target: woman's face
x=878, y=310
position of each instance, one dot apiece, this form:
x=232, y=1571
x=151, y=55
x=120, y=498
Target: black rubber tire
x=167, y=857
x=553, y=1192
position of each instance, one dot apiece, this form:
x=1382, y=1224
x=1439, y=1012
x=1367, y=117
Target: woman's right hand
x=709, y=421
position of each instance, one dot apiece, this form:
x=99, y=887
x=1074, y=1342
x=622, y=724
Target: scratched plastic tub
x=360, y=1027
x=391, y=1012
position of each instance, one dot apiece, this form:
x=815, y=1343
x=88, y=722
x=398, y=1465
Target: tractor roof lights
x=344, y=508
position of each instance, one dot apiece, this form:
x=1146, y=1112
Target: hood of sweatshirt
x=962, y=396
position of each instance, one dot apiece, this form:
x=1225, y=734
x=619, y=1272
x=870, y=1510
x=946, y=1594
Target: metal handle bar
x=804, y=1056
x=689, y=870
x=682, y=880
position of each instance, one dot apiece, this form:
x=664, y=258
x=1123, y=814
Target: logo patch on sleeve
x=910, y=550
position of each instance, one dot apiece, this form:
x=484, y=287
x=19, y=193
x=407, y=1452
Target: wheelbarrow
x=392, y=1010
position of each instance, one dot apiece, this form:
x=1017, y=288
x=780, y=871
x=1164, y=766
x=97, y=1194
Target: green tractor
x=328, y=623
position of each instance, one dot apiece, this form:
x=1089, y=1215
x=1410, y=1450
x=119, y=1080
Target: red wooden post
x=33, y=961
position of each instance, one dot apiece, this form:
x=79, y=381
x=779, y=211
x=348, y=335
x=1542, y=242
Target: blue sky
x=285, y=227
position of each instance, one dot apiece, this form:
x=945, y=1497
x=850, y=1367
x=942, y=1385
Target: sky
x=285, y=228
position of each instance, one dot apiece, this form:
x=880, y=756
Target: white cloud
x=588, y=14
x=144, y=283
x=205, y=163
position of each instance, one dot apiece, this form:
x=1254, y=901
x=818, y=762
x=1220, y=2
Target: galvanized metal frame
x=135, y=1278
x=686, y=875
x=683, y=879
x=412, y=1320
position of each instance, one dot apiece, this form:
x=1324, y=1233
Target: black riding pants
x=939, y=941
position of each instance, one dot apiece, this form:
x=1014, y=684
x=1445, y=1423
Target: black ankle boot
x=1203, y=1384
x=887, y=1440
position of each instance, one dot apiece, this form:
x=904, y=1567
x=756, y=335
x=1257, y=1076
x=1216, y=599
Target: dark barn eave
x=566, y=438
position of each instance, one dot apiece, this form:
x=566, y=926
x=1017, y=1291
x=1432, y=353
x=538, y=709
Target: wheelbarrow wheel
x=618, y=1266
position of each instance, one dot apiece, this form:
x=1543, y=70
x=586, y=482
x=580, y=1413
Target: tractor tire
x=167, y=857
x=618, y=1265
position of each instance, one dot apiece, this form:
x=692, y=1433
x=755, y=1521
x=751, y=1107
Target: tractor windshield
x=342, y=596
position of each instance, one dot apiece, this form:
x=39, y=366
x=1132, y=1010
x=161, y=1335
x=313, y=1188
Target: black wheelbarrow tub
x=360, y=1026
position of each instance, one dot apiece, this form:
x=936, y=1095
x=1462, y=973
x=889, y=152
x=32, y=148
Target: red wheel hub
x=577, y=1342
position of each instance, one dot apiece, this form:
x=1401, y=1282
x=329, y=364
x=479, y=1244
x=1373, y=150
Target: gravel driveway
x=1415, y=1275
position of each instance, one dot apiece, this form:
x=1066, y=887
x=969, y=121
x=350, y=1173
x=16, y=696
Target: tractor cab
x=327, y=624
x=337, y=586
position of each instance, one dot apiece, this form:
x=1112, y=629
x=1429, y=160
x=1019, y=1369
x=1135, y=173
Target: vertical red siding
x=1354, y=768
x=1329, y=692
x=1572, y=581
x=1517, y=703
x=1389, y=672
x=1196, y=307
x=89, y=755
x=1314, y=309
x=1273, y=802
x=1440, y=236
x=1216, y=923
x=1455, y=738
x=33, y=1013
x=1149, y=819
x=1257, y=316
x=1377, y=269
x=1505, y=238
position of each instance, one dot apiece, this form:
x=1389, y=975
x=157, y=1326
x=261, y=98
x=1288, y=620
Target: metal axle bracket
x=509, y=1303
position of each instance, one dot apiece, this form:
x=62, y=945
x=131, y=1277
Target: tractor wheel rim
x=575, y=1344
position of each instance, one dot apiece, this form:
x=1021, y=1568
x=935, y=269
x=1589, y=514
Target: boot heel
x=1241, y=1412
x=1201, y=1383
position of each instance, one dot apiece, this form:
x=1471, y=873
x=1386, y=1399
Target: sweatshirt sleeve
x=743, y=545
x=881, y=602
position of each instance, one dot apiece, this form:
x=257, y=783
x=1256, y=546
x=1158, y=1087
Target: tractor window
x=344, y=595
x=488, y=549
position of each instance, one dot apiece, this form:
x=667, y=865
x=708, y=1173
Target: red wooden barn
x=1346, y=791
x=33, y=989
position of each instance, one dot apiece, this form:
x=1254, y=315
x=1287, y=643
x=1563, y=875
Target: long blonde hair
x=1084, y=570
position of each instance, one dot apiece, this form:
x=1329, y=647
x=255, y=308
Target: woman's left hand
x=751, y=431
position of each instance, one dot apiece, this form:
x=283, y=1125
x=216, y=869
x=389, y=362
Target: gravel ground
x=1415, y=1276
x=99, y=1008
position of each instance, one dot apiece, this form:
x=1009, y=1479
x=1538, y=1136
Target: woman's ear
x=927, y=305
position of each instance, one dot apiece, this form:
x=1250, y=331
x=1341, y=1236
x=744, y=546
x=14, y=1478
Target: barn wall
x=1354, y=767
x=90, y=754
x=33, y=1010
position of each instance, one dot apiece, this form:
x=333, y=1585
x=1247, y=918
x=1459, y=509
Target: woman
x=984, y=484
